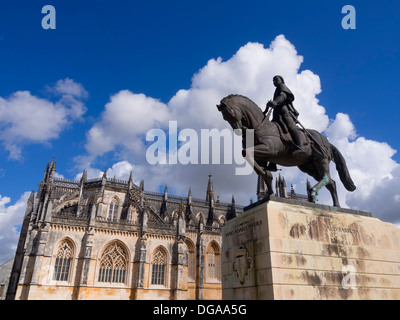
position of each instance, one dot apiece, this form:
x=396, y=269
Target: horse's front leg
x=250, y=154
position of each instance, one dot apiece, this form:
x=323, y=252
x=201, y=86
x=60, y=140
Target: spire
x=30, y=203
x=84, y=176
x=189, y=205
x=165, y=193
x=52, y=163
x=261, y=188
x=141, y=186
x=32, y=197
x=46, y=172
x=105, y=173
x=292, y=192
x=210, y=200
x=308, y=186
x=210, y=186
x=52, y=169
x=277, y=186
x=190, y=196
x=231, y=210
x=130, y=181
x=210, y=197
x=284, y=188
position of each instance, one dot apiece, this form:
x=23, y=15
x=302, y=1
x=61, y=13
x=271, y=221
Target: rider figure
x=285, y=114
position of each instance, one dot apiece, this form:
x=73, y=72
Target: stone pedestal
x=287, y=249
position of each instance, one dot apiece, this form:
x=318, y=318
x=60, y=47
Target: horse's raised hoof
x=314, y=195
x=271, y=167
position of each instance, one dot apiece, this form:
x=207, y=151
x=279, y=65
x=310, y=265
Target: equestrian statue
x=282, y=142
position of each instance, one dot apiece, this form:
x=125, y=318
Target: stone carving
x=242, y=264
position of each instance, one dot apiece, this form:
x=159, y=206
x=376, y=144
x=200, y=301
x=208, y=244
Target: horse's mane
x=245, y=101
x=239, y=97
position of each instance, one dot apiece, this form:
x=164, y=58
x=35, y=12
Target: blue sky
x=156, y=48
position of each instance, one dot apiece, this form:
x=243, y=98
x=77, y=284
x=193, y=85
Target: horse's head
x=233, y=115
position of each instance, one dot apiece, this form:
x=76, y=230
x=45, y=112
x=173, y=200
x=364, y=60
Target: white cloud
x=128, y=116
x=69, y=87
x=11, y=216
x=120, y=170
x=375, y=173
x=25, y=118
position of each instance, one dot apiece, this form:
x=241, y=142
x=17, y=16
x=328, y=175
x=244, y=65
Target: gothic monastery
x=110, y=239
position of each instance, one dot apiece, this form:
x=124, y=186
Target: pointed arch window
x=113, y=264
x=191, y=260
x=90, y=206
x=213, y=262
x=159, y=262
x=64, y=257
x=112, y=212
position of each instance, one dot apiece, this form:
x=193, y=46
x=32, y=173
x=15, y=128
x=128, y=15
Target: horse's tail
x=341, y=167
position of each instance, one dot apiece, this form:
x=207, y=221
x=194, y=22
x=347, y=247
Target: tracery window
x=191, y=260
x=62, y=265
x=90, y=206
x=159, y=264
x=113, y=264
x=213, y=262
x=112, y=213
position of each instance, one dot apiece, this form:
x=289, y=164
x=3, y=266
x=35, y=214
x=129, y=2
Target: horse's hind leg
x=323, y=177
x=331, y=186
x=319, y=170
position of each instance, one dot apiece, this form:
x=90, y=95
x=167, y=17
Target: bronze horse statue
x=270, y=146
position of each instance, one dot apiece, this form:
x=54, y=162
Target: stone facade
x=110, y=239
x=288, y=249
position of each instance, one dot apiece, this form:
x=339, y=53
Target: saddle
x=283, y=134
x=317, y=147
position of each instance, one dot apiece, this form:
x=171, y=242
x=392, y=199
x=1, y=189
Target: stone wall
x=290, y=250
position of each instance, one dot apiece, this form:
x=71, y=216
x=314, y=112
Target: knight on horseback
x=285, y=115
x=270, y=146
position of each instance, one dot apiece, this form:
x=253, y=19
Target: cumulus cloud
x=11, y=216
x=126, y=117
x=129, y=116
x=68, y=87
x=120, y=170
x=25, y=118
x=375, y=173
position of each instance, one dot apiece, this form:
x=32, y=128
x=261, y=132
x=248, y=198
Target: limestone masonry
x=284, y=249
x=110, y=239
